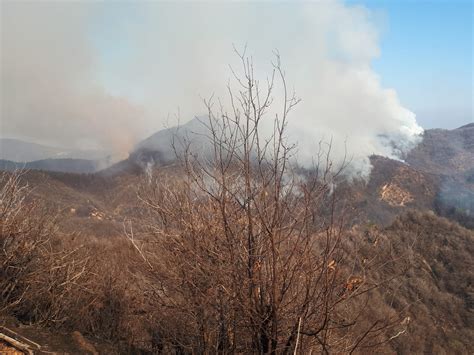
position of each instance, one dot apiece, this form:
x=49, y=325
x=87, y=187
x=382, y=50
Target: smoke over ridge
x=85, y=75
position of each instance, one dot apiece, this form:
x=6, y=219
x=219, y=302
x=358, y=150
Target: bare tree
x=245, y=251
x=37, y=276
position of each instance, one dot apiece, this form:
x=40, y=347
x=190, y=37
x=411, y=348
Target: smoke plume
x=49, y=88
x=162, y=58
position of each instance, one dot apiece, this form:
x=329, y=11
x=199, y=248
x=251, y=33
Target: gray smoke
x=49, y=87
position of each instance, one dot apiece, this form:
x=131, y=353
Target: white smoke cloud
x=176, y=53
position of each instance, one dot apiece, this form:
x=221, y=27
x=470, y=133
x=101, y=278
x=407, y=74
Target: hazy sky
x=105, y=74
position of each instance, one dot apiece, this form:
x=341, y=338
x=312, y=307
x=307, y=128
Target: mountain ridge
x=22, y=151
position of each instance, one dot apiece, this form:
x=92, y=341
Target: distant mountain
x=163, y=139
x=162, y=146
x=78, y=166
x=449, y=156
x=20, y=151
x=445, y=152
x=18, y=154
